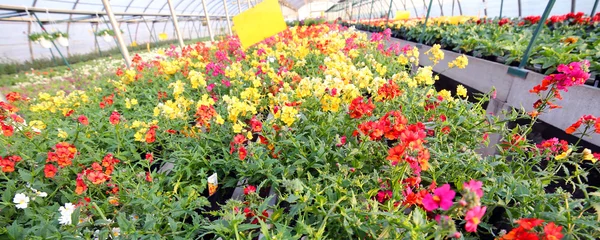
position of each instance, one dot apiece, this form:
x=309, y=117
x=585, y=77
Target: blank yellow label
x=258, y=23
x=402, y=15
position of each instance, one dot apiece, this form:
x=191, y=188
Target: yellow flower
x=62, y=134
x=249, y=135
x=219, y=120
x=563, y=155
x=461, y=90
x=435, y=53
x=587, y=155
x=237, y=127
x=140, y=135
x=37, y=124
x=178, y=88
x=447, y=95
x=288, y=115
x=460, y=62
x=330, y=103
x=196, y=79
x=130, y=102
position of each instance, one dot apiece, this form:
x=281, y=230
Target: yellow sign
x=258, y=23
x=402, y=15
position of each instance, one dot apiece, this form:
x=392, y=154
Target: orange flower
x=13, y=97
x=529, y=223
x=151, y=134
x=7, y=165
x=50, y=170
x=80, y=186
x=97, y=177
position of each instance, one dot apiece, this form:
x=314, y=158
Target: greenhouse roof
x=125, y=10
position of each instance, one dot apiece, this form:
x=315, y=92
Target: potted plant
x=61, y=38
x=44, y=39
x=107, y=34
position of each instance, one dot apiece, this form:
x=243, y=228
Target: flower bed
x=350, y=135
x=565, y=38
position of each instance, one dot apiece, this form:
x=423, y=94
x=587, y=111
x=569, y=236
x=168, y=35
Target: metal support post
x=519, y=72
x=388, y=14
x=441, y=4
x=117, y=30
x=53, y=43
x=484, y=8
x=239, y=6
x=176, y=24
x=572, y=6
x=425, y=24
x=594, y=8
x=501, y=7
x=519, y=7
x=371, y=15
x=227, y=16
x=415, y=8
x=358, y=17
x=210, y=32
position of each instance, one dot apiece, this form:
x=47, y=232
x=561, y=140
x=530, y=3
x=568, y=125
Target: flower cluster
x=527, y=229
x=7, y=164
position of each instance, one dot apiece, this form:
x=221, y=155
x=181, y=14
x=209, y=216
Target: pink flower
x=474, y=186
x=442, y=198
x=341, y=142
x=473, y=218
x=210, y=87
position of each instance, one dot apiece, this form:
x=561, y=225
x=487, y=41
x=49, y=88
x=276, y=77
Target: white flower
x=65, y=214
x=116, y=232
x=21, y=200
x=271, y=59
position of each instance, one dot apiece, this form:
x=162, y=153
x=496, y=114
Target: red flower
x=358, y=108
x=13, y=97
x=115, y=118
x=255, y=124
x=50, y=170
x=446, y=130
x=552, y=232
x=83, y=120
x=7, y=130
x=148, y=177
x=242, y=152
x=249, y=189
x=150, y=157
x=529, y=223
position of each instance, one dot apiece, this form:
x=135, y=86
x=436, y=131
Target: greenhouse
x=300, y=119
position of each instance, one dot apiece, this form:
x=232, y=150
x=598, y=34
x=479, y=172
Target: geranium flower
x=21, y=201
x=442, y=198
x=473, y=218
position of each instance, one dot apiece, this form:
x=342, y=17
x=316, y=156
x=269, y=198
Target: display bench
x=513, y=91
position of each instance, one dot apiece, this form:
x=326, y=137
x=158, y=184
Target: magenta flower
x=341, y=141
x=473, y=218
x=474, y=186
x=383, y=196
x=442, y=198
